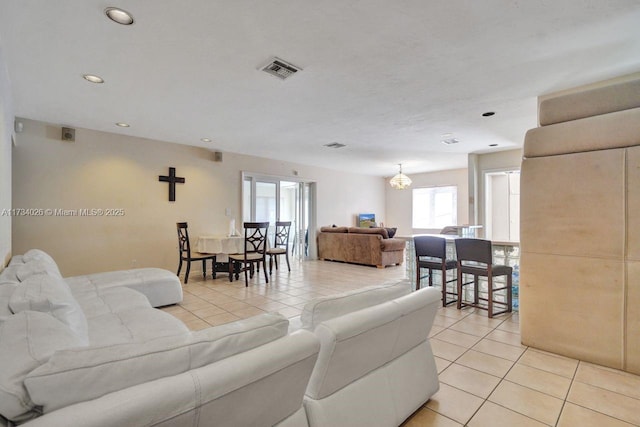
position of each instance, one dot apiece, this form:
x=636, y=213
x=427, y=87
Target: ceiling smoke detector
x=279, y=68
x=335, y=145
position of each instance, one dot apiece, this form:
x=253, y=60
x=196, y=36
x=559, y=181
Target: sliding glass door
x=273, y=199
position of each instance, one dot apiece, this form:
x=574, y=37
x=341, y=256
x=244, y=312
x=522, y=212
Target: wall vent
x=279, y=68
x=335, y=145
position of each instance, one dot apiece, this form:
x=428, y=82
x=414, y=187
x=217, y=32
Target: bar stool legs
x=475, y=257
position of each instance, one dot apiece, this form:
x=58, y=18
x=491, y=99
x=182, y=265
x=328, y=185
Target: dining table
x=222, y=247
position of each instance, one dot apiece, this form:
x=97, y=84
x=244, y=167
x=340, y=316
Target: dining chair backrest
x=281, y=238
x=474, y=250
x=255, y=236
x=430, y=246
x=184, y=247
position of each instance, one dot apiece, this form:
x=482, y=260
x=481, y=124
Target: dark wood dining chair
x=475, y=258
x=280, y=244
x=431, y=254
x=255, y=243
x=184, y=248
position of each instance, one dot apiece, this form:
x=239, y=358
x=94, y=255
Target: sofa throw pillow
x=391, y=231
x=91, y=372
x=27, y=340
x=51, y=295
x=325, y=308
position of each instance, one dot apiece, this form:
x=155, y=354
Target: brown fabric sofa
x=369, y=246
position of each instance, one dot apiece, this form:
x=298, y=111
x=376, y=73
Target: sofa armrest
x=274, y=374
x=388, y=245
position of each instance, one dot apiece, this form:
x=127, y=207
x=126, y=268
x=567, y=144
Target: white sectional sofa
x=375, y=366
x=92, y=354
x=160, y=286
x=82, y=354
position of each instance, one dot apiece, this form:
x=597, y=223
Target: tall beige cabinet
x=580, y=227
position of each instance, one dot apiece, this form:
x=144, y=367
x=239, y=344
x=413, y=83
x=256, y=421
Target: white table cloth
x=222, y=246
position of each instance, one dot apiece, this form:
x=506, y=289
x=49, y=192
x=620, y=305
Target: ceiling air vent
x=279, y=68
x=335, y=145
x=450, y=141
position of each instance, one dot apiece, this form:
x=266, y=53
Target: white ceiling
x=386, y=78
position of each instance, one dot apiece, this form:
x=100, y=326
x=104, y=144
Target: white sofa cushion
x=37, y=266
x=27, y=340
x=325, y=308
x=49, y=294
x=161, y=287
x=10, y=274
x=6, y=289
x=89, y=373
x=97, y=302
x=37, y=254
x=42, y=257
x=16, y=259
x=136, y=325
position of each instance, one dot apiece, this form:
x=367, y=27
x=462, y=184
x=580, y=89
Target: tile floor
x=486, y=377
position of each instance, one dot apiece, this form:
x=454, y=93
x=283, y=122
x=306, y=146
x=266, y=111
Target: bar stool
x=475, y=257
x=434, y=249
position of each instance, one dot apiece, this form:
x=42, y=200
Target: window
x=435, y=207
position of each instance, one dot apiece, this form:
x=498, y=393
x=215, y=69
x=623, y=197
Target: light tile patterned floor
x=486, y=377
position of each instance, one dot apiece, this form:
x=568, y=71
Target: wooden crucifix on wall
x=171, y=179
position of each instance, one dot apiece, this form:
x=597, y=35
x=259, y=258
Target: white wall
x=6, y=131
x=103, y=170
x=399, y=202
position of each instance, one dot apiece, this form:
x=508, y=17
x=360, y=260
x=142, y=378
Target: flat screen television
x=366, y=220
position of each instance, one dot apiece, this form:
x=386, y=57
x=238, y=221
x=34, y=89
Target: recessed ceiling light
x=122, y=125
x=93, y=78
x=488, y=114
x=493, y=145
x=119, y=16
x=205, y=140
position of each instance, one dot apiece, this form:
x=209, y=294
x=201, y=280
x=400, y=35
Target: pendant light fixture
x=400, y=181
